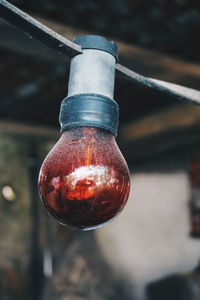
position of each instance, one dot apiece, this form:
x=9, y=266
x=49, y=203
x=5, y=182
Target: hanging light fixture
x=84, y=181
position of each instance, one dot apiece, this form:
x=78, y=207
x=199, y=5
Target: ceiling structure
x=171, y=27
x=34, y=78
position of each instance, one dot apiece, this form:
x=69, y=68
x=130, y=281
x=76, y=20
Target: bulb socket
x=89, y=110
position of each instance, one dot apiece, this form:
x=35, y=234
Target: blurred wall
x=22, y=222
x=150, y=239
x=15, y=223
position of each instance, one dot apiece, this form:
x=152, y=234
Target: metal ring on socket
x=91, y=110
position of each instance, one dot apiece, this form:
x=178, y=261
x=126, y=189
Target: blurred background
x=152, y=250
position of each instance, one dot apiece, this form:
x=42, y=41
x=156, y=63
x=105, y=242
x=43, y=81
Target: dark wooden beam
x=29, y=131
x=176, y=117
x=174, y=129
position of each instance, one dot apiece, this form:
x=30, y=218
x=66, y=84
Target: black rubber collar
x=91, y=110
x=97, y=42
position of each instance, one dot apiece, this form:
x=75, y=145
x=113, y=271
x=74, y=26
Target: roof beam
x=28, y=131
x=172, y=129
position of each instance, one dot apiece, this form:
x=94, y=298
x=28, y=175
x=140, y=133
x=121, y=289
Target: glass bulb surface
x=84, y=181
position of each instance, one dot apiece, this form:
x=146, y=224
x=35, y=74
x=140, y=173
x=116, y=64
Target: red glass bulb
x=84, y=181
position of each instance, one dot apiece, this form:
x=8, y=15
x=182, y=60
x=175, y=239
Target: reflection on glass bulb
x=84, y=181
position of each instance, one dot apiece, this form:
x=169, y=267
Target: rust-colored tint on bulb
x=84, y=181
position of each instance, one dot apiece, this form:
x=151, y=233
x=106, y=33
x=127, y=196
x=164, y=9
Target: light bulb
x=84, y=181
